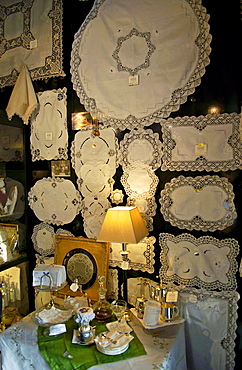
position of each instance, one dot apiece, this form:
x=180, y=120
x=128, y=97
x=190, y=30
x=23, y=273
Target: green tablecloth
x=53, y=348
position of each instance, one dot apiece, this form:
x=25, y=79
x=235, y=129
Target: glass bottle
x=102, y=308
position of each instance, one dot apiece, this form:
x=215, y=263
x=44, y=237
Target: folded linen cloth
x=23, y=99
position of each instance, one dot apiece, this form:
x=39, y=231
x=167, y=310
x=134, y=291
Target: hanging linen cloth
x=23, y=99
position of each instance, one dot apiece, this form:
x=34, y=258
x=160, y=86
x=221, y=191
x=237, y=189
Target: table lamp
x=123, y=225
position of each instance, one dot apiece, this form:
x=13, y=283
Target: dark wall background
x=220, y=86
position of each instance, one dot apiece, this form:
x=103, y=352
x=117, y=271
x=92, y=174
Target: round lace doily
x=136, y=78
x=54, y=200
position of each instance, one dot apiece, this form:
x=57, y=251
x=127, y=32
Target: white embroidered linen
x=94, y=159
x=31, y=34
x=54, y=200
x=140, y=60
x=49, y=135
x=141, y=255
x=210, y=324
x=210, y=143
x=23, y=99
x=43, y=239
x=204, y=262
x=200, y=203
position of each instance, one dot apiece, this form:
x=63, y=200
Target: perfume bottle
x=102, y=308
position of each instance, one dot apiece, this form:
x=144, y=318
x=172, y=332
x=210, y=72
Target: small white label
x=201, y=149
x=172, y=296
x=6, y=139
x=133, y=80
x=124, y=265
x=57, y=329
x=48, y=136
x=33, y=44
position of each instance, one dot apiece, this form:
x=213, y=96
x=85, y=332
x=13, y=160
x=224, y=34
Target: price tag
x=133, y=80
x=172, y=296
x=48, y=136
x=201, y=149
x=57, y=329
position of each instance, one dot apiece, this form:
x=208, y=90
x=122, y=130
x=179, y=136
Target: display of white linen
x=201, y=203
x=52, y=316
x=54, y=200
x=49, y=134
x=52, y=276
x=210, y=143
x=141, y=255
x=205, y=262
x=140, y=61
x=31, y=33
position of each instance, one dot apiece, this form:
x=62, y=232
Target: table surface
x=19, y=348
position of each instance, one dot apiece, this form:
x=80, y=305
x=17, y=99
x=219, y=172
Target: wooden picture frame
x=85, y=259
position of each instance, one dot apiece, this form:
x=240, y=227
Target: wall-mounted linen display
x=49, y=135
x=204, y=262
x=139, y=181
x=90, y=148
x=43, y=239
x=210, y=324
x=31, y=34
x=94, y=159
x=141, y=255
x=140, y=60
x=54, y=200
x=210, y=143
x=142, y=146
x=202, y=203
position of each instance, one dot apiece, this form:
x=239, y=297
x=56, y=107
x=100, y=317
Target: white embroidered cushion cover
x=144, y=40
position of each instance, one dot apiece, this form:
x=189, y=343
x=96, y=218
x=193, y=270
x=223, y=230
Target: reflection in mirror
x=11, y=144
x=9, y=239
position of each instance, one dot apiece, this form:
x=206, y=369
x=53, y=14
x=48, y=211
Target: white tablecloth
x=20, y=351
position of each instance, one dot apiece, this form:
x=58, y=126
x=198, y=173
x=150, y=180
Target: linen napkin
x=23, y=99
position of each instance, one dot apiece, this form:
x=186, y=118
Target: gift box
x=49, y=275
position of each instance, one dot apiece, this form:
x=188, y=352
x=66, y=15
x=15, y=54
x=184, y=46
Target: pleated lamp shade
x=123, y=225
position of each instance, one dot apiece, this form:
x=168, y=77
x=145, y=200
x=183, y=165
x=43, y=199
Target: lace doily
x=204, y=262
x=54, y=200
x=147, y=208
x=139, y=181
x=89, y=148
x=43, y=239
x=117, y=196
x=210, y=323
x=11, y=143
x=93, y=212
x=143, y=146
x=200, y=203
x=141, y=255
x=37, y=43
x=140, y=60
x=49, y=136
x=210, y=143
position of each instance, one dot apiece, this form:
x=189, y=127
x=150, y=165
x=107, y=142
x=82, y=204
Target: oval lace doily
x=200, y=203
